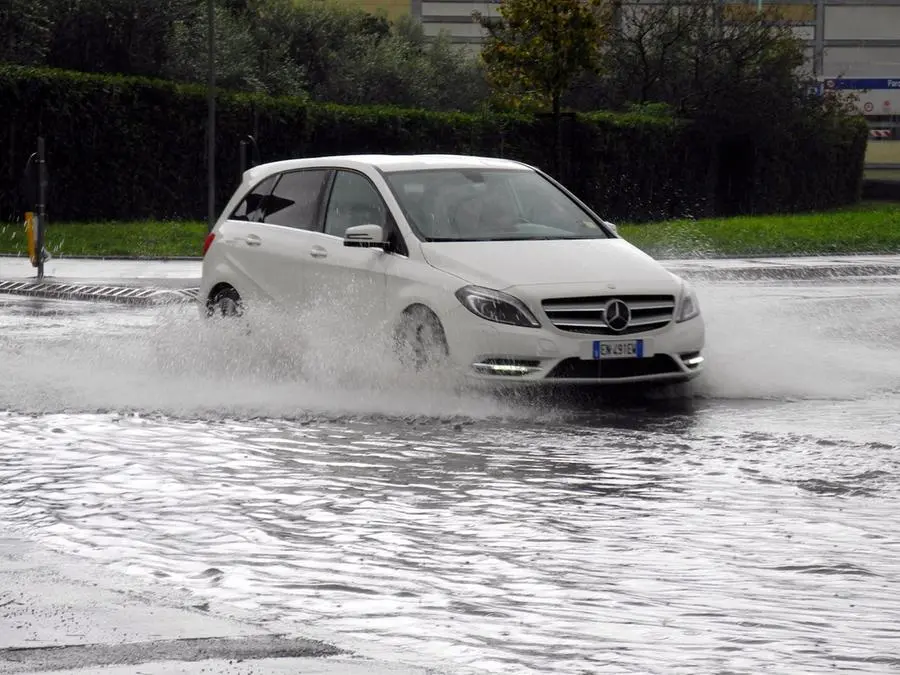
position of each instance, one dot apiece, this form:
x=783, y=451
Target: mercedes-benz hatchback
x=487, y=264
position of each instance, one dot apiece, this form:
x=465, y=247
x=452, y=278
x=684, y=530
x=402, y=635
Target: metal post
x=41, y=207
x=255, y=159
x=242, y=154
x=211, y=119
x=819, y=40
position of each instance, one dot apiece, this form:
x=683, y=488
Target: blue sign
x=862, y=84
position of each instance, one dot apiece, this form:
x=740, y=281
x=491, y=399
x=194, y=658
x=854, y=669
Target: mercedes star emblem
x=617, y=315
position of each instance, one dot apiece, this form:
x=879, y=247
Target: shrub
x=130, y=148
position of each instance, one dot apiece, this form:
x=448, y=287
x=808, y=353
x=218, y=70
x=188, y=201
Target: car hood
x=505, y=264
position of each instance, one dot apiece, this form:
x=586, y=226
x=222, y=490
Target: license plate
x=617, y=349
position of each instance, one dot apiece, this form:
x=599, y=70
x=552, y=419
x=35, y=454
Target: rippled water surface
x=752, y=529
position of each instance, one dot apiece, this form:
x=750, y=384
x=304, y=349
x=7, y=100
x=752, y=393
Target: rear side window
x=295, y=200
x=253, y=207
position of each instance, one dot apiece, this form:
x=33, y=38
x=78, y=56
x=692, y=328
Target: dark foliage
x=327, y=50
x=126, y=148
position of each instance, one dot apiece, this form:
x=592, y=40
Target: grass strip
x=865, y=228
x=137, y=239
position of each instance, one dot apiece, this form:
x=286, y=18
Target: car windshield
x=489, y=205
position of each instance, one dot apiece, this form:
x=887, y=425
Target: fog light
x=506, y=367
x=692, y=360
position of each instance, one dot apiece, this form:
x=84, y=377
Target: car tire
x=420, y=340
x=226, y=302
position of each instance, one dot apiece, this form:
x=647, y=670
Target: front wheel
x=420, y=339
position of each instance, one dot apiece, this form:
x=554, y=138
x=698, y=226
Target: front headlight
x=496, y=306
x=690, y=306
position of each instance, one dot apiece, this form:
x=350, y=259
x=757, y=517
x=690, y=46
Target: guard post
x=29, y=196
x=35, y=184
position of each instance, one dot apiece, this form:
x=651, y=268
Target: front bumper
x=512, y=355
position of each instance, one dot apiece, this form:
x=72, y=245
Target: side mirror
x=611, y=226
x=365, y=236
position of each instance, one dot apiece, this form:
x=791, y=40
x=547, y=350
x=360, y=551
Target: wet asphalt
x=749, y=528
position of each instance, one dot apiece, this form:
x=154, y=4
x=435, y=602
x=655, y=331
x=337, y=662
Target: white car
x=486, y=263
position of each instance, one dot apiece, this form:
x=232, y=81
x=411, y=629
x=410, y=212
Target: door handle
x=318, y=252
x=253, y=240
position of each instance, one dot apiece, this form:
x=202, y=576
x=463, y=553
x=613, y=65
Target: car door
x=236, y=241
x=278, y=245
x=349, y=281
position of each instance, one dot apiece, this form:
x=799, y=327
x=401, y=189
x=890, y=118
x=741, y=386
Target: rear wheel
x=226, y=302
x=420, y=339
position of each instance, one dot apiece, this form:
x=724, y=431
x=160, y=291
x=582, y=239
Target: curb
x=787, y=273
x=699, y=270
x=136, y=258
x=122, y=294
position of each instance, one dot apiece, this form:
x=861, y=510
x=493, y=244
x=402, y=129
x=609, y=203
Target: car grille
x=614, y=369
x=587, y=315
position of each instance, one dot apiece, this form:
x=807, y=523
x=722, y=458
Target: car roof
x=387, y=163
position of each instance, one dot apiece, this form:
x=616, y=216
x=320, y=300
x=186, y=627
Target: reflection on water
x=488, y=546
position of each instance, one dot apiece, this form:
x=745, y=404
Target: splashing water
x=801, y=341
x=764, y=341
x=166, y=360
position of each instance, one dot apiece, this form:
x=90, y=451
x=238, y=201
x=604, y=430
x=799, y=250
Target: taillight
x=208, y=241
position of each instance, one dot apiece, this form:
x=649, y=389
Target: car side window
x=295, y=200
x=354, y=201
x=253, y=207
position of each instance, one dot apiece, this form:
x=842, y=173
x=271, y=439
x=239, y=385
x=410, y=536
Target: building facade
x=851, y=44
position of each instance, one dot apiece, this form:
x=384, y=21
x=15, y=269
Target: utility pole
x=211, y=116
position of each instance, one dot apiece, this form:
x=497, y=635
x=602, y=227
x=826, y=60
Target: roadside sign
x=863, y=84
x=873, y=96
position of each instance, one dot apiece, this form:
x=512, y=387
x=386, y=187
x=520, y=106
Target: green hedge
x=130, y=148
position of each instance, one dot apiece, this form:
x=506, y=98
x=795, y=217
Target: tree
x=324, y=49
x=241, y=61
x=736, y=72
x=312, y=34
x=113, y=36
x=404, y=68
x=356, y=57
x=538, y=47
x=699, y=58
x=25, y=31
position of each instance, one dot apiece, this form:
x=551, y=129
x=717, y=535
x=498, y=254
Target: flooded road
x=751, y=529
